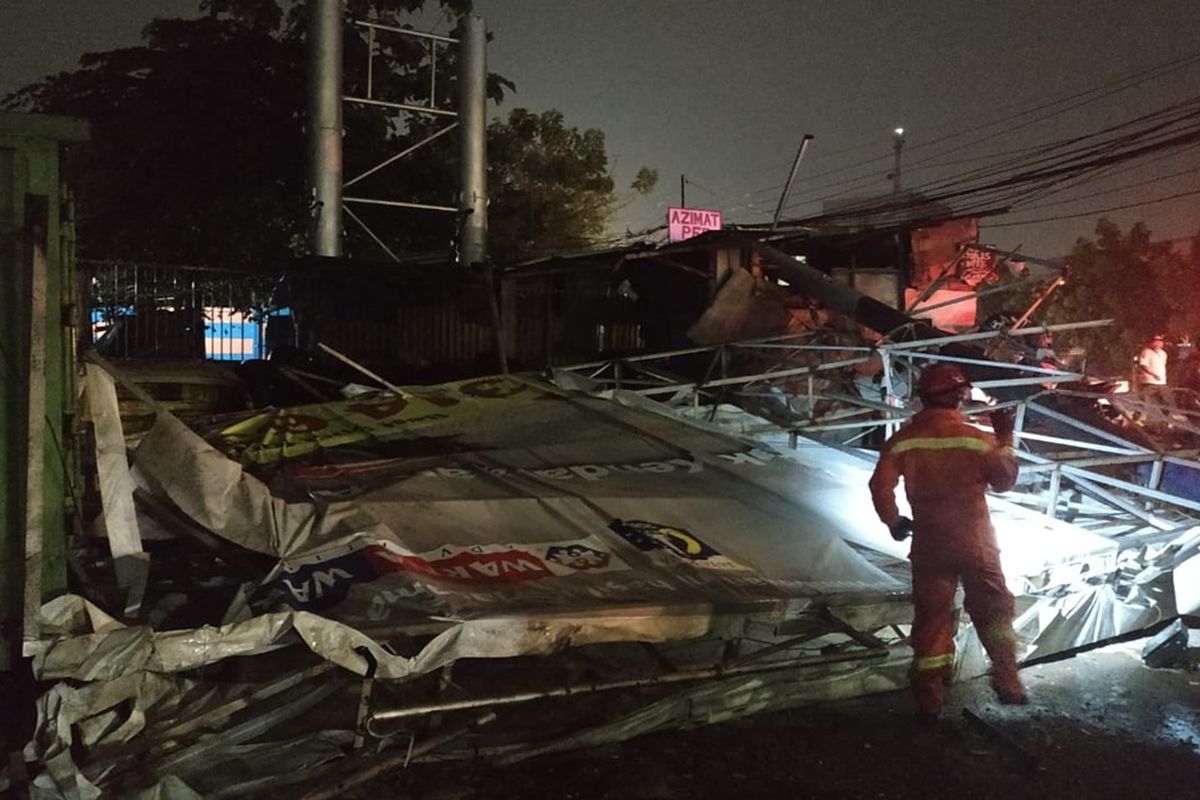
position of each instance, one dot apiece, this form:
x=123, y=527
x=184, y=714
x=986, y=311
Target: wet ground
x=1100, y=725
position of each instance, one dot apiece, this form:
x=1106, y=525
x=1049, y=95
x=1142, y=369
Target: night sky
x=723, y=91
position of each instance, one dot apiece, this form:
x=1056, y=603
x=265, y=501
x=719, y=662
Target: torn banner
x=557, y=503
x=558, y=521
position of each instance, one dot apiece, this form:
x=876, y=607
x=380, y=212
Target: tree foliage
x=198, y=152
x=645, y=180
x=194, y=132
x=549, y=183
x=1146, y=287
x=550, y=186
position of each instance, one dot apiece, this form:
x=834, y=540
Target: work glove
x=1004, y=420
x=901, y=529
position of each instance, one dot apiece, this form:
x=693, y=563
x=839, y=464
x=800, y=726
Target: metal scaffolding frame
x=1066, y=476
x=749, y=656
x=468, y=119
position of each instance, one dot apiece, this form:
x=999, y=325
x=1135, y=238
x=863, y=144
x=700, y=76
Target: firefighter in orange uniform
x=947, y=466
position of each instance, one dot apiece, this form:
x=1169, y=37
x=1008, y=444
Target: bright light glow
x=899, y=131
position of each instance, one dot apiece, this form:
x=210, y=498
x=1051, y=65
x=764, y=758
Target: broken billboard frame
x=137, y=707
x=263, y=699
x=1072, y=469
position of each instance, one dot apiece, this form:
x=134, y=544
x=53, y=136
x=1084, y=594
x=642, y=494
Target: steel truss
x=428, y=108
x=1068, y=475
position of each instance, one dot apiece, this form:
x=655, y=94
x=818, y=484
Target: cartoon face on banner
x=578, y=556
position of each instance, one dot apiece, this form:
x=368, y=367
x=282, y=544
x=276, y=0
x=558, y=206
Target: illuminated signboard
x=684, y=223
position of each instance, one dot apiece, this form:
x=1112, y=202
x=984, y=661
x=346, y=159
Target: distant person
x=947, y=466
x=1151, y=374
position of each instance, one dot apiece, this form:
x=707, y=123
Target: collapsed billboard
x=495, y=519
x=542, y=500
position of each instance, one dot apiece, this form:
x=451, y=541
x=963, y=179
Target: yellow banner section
x=280, y=434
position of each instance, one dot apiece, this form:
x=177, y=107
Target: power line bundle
x=1016, y=177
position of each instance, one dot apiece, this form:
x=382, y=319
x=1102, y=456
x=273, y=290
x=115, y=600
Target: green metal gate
x=38, y=317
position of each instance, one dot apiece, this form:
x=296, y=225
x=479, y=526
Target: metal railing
x=175, y=312
x=158, y=312
x=1150, y=489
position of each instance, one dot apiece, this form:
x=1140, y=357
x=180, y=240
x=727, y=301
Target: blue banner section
x=321, y=586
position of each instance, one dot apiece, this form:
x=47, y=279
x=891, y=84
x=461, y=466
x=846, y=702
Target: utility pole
x=787, y=187
x=472, y=119
x=897, y=146
x=683, y=191
x=325, y=125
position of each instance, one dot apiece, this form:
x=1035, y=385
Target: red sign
x=684, y=223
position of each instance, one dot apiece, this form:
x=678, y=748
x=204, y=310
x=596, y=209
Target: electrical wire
x=1172, y=127
x=700, y=186
x=1062, y=153
x=1107, y=174
x=1016, y=176
x=1098, y=92
x=1091, y=212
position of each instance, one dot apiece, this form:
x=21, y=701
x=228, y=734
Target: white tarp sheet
x=575, y=504
x=606, y=505
x=562, y=521
x=85, y=652
x=112, y=464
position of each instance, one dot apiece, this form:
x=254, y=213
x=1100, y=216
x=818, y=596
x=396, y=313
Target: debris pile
x=500, y=567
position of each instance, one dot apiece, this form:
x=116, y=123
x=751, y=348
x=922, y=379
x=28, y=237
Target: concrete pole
x=325, y=124
x=472, y=119
x=787, y=187
x=897, y=149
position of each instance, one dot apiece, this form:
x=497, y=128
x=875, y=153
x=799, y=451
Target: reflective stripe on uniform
x=934, y=662
x=947, y=443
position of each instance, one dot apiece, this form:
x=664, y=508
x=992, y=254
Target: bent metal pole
x=683, y=676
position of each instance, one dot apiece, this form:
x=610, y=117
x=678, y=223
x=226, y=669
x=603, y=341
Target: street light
x=897, y=146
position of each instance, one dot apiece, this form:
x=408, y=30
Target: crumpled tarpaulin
x=532, y=522
x=88, y=716
x=116, y=651
x=117, y=722
x=570, y=504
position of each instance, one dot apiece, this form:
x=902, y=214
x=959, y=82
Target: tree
x=1144, y=286
x=550, y=186
x=198, y=152
x=183, y=143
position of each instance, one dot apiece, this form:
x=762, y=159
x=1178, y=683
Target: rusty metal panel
x=421, y=331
